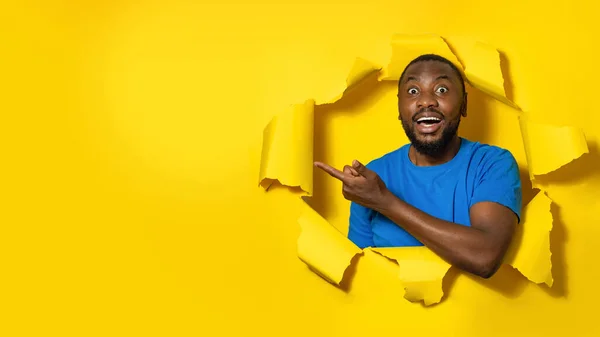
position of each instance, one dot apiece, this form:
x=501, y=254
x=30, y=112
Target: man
x=460, y=198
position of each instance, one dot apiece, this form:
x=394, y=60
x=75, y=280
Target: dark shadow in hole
x=449, y=280
x=476, y=125
x=447, y=285
x=558, y=243
x=272, y=184
x=346, y=282
x=528, y=191
x=507, y=281
x=508, y=84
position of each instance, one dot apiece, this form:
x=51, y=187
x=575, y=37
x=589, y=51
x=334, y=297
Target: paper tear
x=287, y=156
x=421, y=272
x=483, y=71
x=405, y=48
x=549, y=147
x=323, y=247
x=360, y=70
x=529, y=252
x=287, y=152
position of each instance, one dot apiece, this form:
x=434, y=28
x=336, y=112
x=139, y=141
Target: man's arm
x=478, y=249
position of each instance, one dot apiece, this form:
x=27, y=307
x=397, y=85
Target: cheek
x=404, y=113
x=450, y=106
x=405, y=108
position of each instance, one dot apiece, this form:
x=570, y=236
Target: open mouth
x=428, y=121
x=428, y=125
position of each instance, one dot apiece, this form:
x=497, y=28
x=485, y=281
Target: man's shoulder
x=487, y=156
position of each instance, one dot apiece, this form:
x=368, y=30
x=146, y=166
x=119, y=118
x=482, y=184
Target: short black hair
x=434, y=57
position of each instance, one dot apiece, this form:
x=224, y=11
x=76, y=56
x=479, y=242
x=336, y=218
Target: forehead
x=429, y=70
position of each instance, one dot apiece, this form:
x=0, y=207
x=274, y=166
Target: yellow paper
x=483, y=71
x=323, y=247
x=287, y=152
x=288, y=157
x=530, y=250
x=405, y=48
x=361, y=70
x=421, y=272
x=549, y=147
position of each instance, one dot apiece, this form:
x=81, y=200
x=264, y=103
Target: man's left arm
x=494, y=212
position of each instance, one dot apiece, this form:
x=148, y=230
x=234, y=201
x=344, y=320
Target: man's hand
x=360, y=184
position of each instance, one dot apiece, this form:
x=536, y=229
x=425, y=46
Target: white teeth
x=422, y=119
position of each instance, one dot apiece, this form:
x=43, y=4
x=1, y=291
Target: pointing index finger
x=332, y=171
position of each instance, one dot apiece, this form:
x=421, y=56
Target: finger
x=349, y=170
x=331, y=171
x=361, y=169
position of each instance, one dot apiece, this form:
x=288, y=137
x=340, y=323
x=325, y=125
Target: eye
x=442, y=90
x=413, y=91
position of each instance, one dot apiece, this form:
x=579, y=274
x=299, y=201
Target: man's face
x=430, y=104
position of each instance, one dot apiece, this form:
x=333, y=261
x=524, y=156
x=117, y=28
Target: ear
x=463, y=107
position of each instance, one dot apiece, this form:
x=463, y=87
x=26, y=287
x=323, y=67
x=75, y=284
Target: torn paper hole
x=479, y=59
x=287, y=156
x=361, y=70
x=530, y=252
x=287, y=152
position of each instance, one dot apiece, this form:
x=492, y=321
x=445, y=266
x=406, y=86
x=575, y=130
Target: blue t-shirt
x=477, y=173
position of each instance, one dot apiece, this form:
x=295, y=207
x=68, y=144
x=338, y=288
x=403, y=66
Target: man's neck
x=420, y=159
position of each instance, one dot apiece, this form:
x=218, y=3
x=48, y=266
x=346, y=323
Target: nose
x=427, y=100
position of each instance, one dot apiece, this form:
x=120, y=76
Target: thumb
x=360, y=168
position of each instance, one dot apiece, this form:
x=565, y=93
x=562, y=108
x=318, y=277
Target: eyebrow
x=441, y=77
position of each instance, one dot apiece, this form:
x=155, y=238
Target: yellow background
x=131, y=137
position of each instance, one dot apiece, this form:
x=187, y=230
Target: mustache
x=428, y=109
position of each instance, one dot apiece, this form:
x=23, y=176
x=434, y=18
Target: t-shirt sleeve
x=360, y=232
x=499, y=181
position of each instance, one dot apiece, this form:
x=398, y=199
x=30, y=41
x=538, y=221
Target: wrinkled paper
x=287, y=157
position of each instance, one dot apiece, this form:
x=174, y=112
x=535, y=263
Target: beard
x=436, y=147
